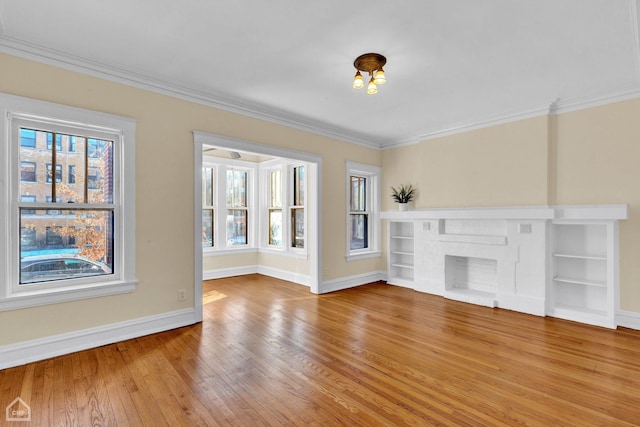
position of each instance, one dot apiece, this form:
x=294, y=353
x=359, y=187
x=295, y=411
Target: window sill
x=37, y=298
x=289, y=254
x=229, y=251
x=363, y=255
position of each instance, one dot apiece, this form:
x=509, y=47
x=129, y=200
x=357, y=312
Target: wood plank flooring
x=269, y=353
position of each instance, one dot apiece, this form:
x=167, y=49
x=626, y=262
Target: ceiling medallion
x=371, y=63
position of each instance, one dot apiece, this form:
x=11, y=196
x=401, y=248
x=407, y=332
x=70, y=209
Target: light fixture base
x=369, y=62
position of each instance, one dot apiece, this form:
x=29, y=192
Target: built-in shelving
x=401, y=253
x=583, y=272
x=560, y=261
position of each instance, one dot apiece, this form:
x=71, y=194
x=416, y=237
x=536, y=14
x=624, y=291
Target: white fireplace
x=511, y=257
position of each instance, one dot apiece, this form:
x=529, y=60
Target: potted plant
x=403, y=195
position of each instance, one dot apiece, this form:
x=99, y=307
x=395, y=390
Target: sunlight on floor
x=212, y=296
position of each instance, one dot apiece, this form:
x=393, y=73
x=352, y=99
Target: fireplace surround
x=560, y=261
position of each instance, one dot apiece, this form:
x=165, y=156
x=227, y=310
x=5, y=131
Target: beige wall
x=164, y=187
x=590, y=156
x=598, y=162
x=498, y=166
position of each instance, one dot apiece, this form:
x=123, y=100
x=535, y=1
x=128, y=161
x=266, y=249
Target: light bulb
x=372, y=88
x=358, y=82
x=380, y=78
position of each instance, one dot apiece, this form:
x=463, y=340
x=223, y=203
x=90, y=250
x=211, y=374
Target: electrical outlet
x=181, y=295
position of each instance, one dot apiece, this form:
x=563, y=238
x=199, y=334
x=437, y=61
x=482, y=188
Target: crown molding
x=554, y=108
x=26, y=50
x=22, y=49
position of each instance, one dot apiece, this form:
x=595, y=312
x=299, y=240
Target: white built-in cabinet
x=585, y=271
x=401, y=253
x=561, y=261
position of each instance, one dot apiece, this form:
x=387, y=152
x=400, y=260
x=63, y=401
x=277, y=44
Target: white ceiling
x=450, y=63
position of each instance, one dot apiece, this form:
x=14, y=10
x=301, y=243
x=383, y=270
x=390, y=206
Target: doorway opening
x=252, y=231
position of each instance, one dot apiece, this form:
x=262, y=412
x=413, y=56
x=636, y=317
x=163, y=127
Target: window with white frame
x=274, y=208
x=70, y=240
x=282, y=222
x=363, y=210
x=297, y=206
x=227, y=205
x=208, y=210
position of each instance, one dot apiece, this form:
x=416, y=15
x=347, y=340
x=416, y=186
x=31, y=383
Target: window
x=50, y=141
x=58, y=173
x=207, y=207
x=363, y=211
x=359, y=232
x=93, y=178
x=71, y=175
x=227, y=205
x=29, y=199
x=27, y=138
x=28, y=171
x=297, y=208
x=274, y=208
x=73, y=243
x=237, y=212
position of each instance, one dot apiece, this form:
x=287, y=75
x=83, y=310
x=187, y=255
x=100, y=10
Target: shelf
x=401, y=253
x=402, y=265
x=574, y=256
x=580, y=281
x=402, y=237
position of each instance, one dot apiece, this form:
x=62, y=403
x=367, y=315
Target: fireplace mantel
x=583, y=212
x=543, y=260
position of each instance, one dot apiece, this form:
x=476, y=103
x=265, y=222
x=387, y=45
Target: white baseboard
x=44, y=348
x=221, y=273
x=351, y=281
x=290, y=276
x=628, y=319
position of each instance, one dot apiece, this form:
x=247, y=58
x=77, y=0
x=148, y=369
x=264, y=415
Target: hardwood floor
x=270, y=353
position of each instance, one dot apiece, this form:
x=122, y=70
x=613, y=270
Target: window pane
x=33, y=160
x=298, y=186
x=100, y=171
x=275, y=227
x=358, y=193
x=236, y=227
x=72, y=189
x=275, y=189
x=76, y=243
x=359, y=231
x=207, y=228
x=236, y=189
x=207, y=187
x=297, y=225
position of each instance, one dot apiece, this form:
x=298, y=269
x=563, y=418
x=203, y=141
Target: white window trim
x=374, y=176
x=286, y=167
x=289, y=206
x=220, y=166
x=123, y=280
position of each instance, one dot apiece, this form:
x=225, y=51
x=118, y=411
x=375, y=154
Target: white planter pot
x=402, y=207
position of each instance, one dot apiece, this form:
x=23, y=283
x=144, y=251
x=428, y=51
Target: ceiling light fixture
x=371, y=63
